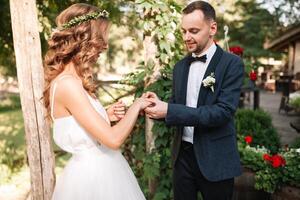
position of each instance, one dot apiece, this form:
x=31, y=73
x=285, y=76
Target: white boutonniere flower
x=210, y=81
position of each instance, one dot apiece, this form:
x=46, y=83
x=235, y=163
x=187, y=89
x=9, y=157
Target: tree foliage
x=287, y=11
x=121, y=12
x=250, y=26
x=7, y=57
x=250, y=23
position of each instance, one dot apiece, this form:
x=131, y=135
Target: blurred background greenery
x=252, y=23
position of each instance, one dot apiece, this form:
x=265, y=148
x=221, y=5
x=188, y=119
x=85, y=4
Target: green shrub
x=249, y=159
x=291, y=173
x=295, y=102
x=296, y=143
x=269, y=177
x=258, y=124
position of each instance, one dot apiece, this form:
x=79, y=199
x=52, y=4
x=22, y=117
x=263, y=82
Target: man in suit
x=205, y=96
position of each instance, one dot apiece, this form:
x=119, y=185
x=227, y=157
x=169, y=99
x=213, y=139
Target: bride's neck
x=70, y=69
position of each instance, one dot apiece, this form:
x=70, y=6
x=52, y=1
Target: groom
x=205, y=96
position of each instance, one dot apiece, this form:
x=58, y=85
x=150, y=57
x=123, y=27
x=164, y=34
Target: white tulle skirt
x=97, y=174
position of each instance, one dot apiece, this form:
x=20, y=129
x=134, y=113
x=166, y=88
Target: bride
x=81, y=126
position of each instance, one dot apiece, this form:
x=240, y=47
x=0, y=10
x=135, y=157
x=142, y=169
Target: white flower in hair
x=53, y=31
x=83, y=18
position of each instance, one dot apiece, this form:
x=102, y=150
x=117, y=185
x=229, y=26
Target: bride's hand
x=116, y=111
x=142, y=102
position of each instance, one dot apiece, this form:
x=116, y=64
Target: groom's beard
x=199, y=47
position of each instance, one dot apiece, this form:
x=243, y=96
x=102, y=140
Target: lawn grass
x=12, y=137
x=12, y=127
x=11, y=120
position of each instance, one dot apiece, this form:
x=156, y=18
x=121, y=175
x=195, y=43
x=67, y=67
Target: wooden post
x=31, y=80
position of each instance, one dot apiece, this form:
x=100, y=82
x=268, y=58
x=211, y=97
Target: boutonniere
x=210, y=81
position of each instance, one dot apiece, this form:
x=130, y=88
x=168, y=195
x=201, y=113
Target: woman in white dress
x=81, y=126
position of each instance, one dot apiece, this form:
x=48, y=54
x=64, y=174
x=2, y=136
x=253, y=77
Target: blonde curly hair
x=80, y=44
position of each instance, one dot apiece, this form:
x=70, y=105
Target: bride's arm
x=116, y=111
x=71, y=95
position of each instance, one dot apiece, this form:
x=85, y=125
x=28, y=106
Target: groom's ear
x=213, y=28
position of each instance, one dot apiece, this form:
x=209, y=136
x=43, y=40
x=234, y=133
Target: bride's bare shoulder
x=67, y=85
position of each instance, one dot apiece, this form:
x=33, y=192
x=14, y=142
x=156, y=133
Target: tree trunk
x=150, y=51
x=31, y=80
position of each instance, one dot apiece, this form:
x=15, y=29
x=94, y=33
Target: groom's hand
x=150, y=95
x=146, y=95
x=158, y=108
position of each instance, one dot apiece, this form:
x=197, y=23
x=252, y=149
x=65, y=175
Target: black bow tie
x=201, y=59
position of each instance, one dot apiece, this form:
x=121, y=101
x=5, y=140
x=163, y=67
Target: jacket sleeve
x=218, y=113
x=172, y=98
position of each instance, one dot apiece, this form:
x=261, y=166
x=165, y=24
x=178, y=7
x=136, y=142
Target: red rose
x=278, y=161
x=267, y=157
x=236, y=50
x=248, y=139
x=253, y=75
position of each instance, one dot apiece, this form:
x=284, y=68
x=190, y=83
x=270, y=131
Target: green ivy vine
x=160, y=20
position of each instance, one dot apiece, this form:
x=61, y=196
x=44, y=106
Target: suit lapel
x=211, y=68
x=183, y=87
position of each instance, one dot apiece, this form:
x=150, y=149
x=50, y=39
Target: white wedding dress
x=94, y=172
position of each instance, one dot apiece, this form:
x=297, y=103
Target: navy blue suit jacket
x=215, y=144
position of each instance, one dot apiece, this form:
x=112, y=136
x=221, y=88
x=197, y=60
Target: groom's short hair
x=208, y=11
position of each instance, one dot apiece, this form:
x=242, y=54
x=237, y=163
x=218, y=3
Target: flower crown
x=83, y=18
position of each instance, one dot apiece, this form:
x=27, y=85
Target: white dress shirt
x=196, y=73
